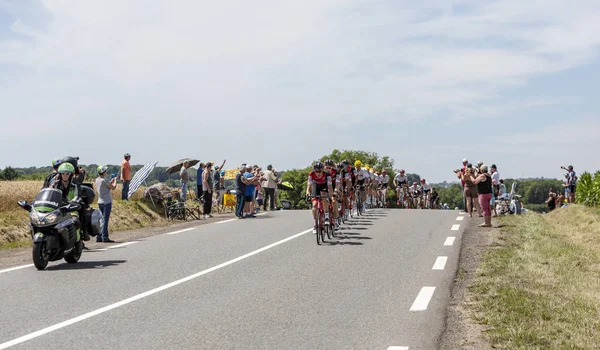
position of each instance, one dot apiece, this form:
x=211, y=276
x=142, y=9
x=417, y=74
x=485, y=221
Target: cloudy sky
x=509, y=82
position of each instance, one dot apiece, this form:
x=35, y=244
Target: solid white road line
x=116, y=246
x=184, y=230
x=440, y=263
x=449, y=241
x=422, y=299
x=16, y=268
x=460, y=218
x=224, y=221
x=455, y=227
x=142, y=295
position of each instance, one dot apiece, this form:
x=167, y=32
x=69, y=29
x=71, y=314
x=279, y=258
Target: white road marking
x=440, y=263
x=460, y=218
x=455, y=227
x=422, y=299
x=224, y=221
x=184, y=230
x=140, y=296
x=397, y=348
x=117, y=246
x=462, y=212
x=449, y=241
x=16, y=268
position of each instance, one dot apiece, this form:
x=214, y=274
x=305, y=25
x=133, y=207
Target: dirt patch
x=461, y=331
x=21, y=256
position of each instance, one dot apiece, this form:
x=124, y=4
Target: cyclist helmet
x=66, y=168
x=377, y=173
x=402, y=171
x=318, y=166
x=358, y=163
x=126, y=155
x=341, y=165
x=55, y=162
x=415, y=183
x=102, y=169
x=384, y=172
x=329, y=162
x=422, y=180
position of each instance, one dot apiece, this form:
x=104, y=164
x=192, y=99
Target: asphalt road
x=246, y=284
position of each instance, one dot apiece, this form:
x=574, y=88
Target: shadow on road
x=344, y=243
x=353, y=237
x=81, y=265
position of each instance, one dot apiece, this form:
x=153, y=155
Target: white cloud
x=281, y=66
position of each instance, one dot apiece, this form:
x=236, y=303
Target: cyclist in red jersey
x=319, y=181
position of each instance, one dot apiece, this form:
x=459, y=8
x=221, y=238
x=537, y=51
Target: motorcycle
x=54, y=230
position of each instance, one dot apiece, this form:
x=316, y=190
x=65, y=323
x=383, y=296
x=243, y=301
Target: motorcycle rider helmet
x=66, y=168
x=318, y=166
x=102, y=169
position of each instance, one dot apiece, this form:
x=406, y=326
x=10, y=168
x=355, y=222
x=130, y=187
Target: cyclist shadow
x=344, y=243
x=353, y=237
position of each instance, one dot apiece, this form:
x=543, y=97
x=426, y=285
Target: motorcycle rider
x=71, y=193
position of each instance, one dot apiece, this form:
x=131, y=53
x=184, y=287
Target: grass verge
x=126, y=215
x=541, y=288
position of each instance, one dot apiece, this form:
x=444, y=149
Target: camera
x=564, y=168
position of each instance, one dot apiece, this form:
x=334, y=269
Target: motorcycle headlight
x=35, y=218
x=50, y=218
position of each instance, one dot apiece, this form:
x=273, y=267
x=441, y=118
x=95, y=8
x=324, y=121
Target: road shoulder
x=461, y=332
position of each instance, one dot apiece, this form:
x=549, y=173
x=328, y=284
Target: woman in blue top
x=249, y=200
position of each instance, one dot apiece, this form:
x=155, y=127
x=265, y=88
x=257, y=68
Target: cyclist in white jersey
x=400, y=183
x=362, y=176
x=385, y=181
x=426, y=191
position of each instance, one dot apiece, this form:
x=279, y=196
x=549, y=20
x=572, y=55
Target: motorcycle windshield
x=49, y=199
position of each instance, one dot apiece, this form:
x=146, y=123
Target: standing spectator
x=496, y=187
x=199, y=191
x=80, y=175
x=269, y=186
x=470, y=190
x=501, y=188
x=460, y=175
x=484, y=189
x=217, y=180
x=125, y=176
x=250, y=190
x=240, y=186
x=103, y=186
x=571, y=184
x=53, y=175
x=207, y=185
x=185, y=178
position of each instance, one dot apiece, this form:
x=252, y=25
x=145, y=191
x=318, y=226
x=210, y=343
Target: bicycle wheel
x=321, y=230
x=318, y=233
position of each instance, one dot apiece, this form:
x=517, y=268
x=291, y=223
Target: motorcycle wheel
x=75, y=254
x=40, y=257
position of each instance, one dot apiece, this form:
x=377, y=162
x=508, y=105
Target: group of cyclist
x=421, y=196
x=348, y=187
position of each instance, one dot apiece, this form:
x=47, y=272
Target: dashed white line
x=184, y=230
x=116, y=246
x=455, y=227
x=16, y=268
x=440, y=263
x=460, y=218
x=224, y=221
x=423, y=299
x=397, y=348
x=140, y=296
x=449, y=241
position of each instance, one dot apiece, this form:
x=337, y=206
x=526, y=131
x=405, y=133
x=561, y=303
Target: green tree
x=9, y=174
x=298, y=179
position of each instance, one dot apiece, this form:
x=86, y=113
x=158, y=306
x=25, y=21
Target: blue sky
x=284, y=82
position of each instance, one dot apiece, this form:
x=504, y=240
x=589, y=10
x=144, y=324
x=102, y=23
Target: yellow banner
x=231, y=173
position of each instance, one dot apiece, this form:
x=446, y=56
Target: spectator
x=470, y=191
x=460, y=174
x=53, y=175
x=240, y=186
x=484, y=189
x=207, y=185
x=199, y=191
x=560, y=199
x=496, y=187
x=571, y=184
x=269, y=186
x=81, y=175
x=217, y=183
x=104, y=186
x=125, y=176
x=501, y=188
x=250, y=191
x=551, y=201
x=185, y=178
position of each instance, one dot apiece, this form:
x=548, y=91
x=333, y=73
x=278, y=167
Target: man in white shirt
x=269, y=185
